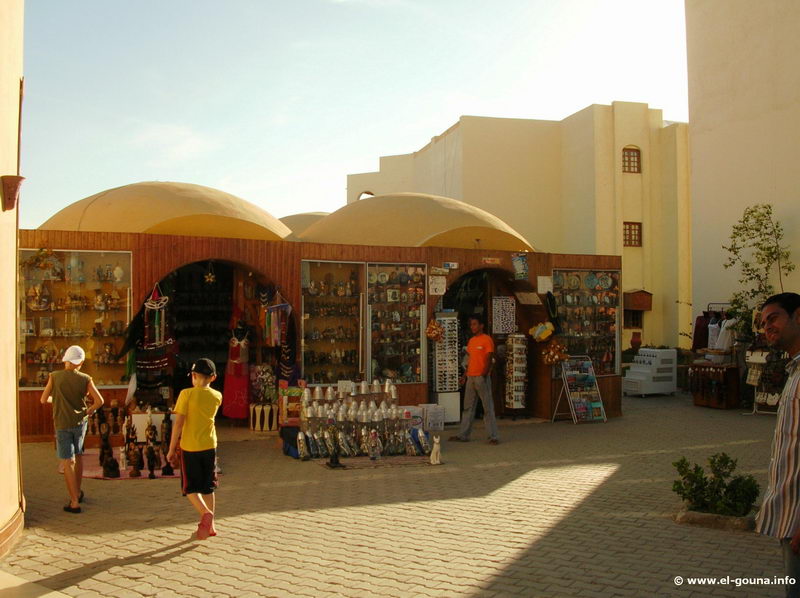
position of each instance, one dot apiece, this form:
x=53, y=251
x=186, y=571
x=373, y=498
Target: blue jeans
x=791, y=566
x=69, y=442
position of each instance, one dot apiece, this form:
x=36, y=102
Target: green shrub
x=718, y=493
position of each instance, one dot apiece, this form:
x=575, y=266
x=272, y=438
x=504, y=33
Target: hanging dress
x=236, y=392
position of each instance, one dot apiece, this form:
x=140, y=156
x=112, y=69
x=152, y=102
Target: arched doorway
x=491, y=294
x=221, y=310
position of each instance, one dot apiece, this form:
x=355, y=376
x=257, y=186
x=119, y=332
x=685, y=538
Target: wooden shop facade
x=318, y=312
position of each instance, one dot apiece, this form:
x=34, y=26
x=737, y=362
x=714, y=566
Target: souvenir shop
x=213, y=309
x=272, y=313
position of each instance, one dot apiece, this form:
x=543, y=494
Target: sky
x=278, y=101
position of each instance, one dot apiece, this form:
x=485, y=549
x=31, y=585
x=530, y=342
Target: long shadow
x=75, y=576
x=620, y=541
x=257, y=478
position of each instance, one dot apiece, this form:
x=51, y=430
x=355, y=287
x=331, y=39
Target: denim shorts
x=69, y=442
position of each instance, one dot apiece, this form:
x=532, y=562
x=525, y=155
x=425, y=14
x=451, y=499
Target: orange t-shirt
x=480, y=348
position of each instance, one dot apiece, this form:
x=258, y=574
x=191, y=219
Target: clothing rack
x=723, y=304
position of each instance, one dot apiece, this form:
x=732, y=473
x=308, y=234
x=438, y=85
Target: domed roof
x=298, y=223
x=415, y=220
x=169, y=208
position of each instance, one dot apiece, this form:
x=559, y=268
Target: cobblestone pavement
x=554, y=510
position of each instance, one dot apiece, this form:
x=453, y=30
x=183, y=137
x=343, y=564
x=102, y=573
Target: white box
x=451, y=401
x=433, y=417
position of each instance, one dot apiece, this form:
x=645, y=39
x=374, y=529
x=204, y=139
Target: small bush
x=718, y=493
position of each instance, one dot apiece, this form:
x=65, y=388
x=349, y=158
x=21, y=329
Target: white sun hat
x=74, y=354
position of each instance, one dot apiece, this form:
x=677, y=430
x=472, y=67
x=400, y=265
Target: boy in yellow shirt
x=195, y=432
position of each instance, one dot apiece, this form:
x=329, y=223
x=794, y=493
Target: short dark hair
x=788, y=301
x=477, y=318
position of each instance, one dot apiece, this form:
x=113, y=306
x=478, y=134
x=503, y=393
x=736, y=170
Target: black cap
x=204, y=366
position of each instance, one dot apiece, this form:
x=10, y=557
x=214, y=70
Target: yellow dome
x=298, y=223
x=415, y=220
x=167, y=208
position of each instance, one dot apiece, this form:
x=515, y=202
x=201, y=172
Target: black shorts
x=198, y=471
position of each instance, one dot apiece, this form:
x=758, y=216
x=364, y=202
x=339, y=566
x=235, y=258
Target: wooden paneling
x=155, y=256
x=36, y=420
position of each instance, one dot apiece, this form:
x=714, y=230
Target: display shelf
x=446, y=354
x=396, y=303
x=331, y=335
x=73, y=297
x=588, y=307
x=516, y=371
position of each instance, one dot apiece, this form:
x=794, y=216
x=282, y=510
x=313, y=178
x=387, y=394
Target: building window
x=633, y=318
x=631, y=160
x=632, y=234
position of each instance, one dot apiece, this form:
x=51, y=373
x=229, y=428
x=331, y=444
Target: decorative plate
x=591, y=281
x=403, y=278
x=372, y=278
x=558, y=279
x=606, y=281
x=573, y=282
x=383, y=278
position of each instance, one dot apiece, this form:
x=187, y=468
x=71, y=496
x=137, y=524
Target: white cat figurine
x=436, y=452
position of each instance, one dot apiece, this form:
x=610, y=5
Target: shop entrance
x=227, y=313
x=490, y=294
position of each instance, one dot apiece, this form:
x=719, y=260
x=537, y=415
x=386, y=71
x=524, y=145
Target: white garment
x=726, y=335
x=713, y=335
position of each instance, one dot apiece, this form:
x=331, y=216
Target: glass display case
x=588, y=307
x=332, y=334
x=396, y=304
x=73, y=298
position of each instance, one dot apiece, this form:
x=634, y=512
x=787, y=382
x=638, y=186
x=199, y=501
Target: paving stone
x=555, y=510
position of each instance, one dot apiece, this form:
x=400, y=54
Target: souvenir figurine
x=135, y=460
x=436, y=452
x=333, y=433
x=411, y=448
x=423, y=442
x=151, y=439
x=114, y=416
x=166, y=436
x=374, y=445
x=118, y=273
x=302, y=449
x=320, y=450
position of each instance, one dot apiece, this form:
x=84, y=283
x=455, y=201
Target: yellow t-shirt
x=199, y=405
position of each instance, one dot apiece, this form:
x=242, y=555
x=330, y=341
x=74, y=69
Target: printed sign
x=544, y=284
x=437, y=285
x=438, y=271
x=520, y=263
x=491, y=261
x=450, y=265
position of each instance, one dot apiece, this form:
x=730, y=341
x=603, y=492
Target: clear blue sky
x=278, y=101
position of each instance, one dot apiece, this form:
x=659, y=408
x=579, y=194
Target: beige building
x=11, y=499
x=606, y=180
x=744, y=106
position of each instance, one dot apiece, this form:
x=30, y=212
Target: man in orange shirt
x=478, y=384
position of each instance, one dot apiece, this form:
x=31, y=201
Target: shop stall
x=285, y=310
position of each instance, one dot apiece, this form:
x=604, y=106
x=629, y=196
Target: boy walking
x=68, y=389
x=196, y=435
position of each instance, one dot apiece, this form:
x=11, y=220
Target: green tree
x=755, y=247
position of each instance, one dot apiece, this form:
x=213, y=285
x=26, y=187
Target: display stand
x=581, y=390
x=446, y=354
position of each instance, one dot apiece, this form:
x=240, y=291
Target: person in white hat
x=68, y=389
